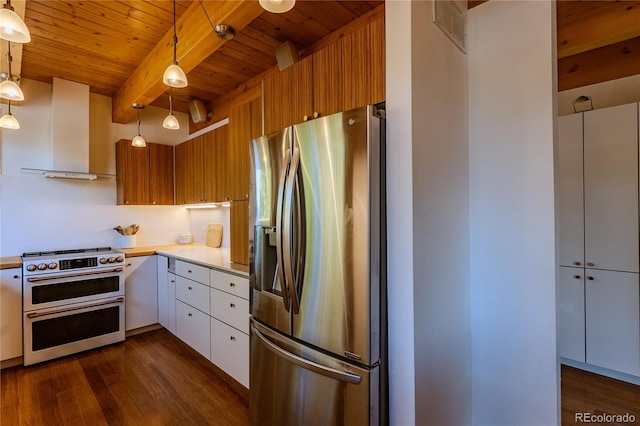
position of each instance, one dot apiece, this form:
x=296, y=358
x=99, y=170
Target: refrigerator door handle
x=287, y=230
x=306, y=364
x=279, y=253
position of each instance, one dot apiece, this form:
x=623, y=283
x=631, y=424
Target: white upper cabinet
x=611, y=188
x=570, y=190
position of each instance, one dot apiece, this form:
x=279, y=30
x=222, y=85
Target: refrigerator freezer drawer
x=288, y=380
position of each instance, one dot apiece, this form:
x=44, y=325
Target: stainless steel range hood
x=69, y=134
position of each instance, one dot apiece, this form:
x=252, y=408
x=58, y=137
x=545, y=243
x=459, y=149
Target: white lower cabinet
x=613, y=320
x=230, y=309
x=166, y=295
x=10, y=313
x=571, y=320
x=141, y=292
x=230, y=351
x=193, y=328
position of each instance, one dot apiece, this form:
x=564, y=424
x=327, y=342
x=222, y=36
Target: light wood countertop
x=10, y=262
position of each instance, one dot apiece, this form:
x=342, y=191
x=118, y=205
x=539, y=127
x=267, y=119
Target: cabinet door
x=570, y=190
x=171, y=303
x=184, y=175
x=193, y=328
x=613, y=320
x=223, y=175
x=239, y=223
x=210, y=163
x=364, y=65
x=241, y=131
x=132, y=174
x=230, y=309
x=571, y=322
x=288, y=96
x=230, y=351
x=160, y=174
x=193, y=293
x=141, y=292
x=163, y=292
x=328, y=80
x=10, y=313
x=611, y=188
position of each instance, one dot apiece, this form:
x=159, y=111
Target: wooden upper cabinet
x=239, y=223
x=347, y=74
x=201, y=168
x=364, y=65
x=288, y=96
x=245, y=124
x=160, y=174
x=144, y=175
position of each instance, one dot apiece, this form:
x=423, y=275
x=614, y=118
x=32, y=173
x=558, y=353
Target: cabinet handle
x=577, y=277
x=233, y=305
x=232, y=284
x=189, y=271
x=190, y=314
x=232, y=338
x=305, y=118
x=316, y=114
x=153, y=202
x=173, y=281
x=15, y=277
x=590, y=278
x=589, y=263
x=190, y=288
x=577, y=263
x=128, y=264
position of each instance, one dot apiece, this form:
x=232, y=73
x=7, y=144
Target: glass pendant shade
x=10, y=90
x=277, y=6
x=12, y=27
x=174, y=76
x=139, y=142
x=8, y=121
x=171, y=122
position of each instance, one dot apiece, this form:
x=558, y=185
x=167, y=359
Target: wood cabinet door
x=570, y=191
x=160, y=174
x=613, y=320
x=239, y=222
x=364, y=65
x=611, y=188
x=209, y=166
x=328, y=80
x=240, y=135
x=223, y=177
x=288, y=96
x=184, y=177
x=132, y=173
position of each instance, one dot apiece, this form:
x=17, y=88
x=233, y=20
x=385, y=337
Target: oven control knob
x=42, y=266
x=31, y=267
x=103, y=260
x=119, y=259
x=52, y=265
x=112, y=260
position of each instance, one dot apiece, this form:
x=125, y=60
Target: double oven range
x=73, y=300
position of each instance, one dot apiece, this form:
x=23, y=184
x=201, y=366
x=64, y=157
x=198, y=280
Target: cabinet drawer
x=193, y=272
x=193, y=328
x=193, y=293
x=230, y=309
x=230, y=351
x=230, y=283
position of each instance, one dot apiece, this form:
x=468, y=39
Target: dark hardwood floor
x=150, y=379
x=155, y=379
x=585, y=392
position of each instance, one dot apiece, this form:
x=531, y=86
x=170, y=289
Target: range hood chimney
x=69, y=133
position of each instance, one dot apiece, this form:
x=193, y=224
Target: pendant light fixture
x=9, y=89
x=174, y=76
x=8, y=121
x=277, y=6
x=12, y=27
x=171, y=121
x=138, y=141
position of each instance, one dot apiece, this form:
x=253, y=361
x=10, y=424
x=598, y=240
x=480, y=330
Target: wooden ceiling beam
x=196, y=41
x=589, y=25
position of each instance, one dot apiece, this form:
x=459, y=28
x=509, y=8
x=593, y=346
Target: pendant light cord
x=9, y=59
x=138, y=121
x=171, y=100
x=175, y=35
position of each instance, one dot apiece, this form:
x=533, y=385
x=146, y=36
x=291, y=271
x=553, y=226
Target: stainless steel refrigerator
x=318, y=278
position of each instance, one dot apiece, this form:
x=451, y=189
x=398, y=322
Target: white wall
x=428, y=220
x=511, y=142
x=621, y=91
x=37, y=213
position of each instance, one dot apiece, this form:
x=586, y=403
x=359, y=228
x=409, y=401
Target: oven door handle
x=75, y=308
x=84, y=274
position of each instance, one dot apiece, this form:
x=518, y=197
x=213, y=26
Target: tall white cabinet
x=598, y=296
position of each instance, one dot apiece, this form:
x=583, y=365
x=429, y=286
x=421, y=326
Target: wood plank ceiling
x=102, y=43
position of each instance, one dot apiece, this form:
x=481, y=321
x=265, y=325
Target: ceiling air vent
x=451, y=19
